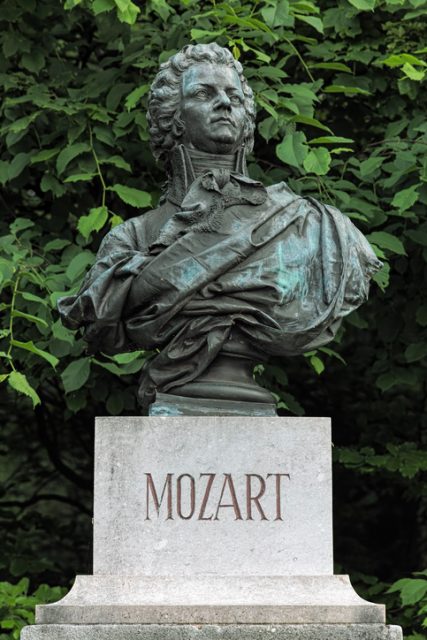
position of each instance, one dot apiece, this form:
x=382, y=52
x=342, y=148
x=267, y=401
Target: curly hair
x=165, y=124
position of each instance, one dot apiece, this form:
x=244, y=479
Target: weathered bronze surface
x=225, y=272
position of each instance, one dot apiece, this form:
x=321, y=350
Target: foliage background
x=341, y=93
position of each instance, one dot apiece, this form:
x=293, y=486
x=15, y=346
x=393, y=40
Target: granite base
x=212, y=632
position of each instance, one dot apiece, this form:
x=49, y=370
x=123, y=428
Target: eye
x=201, y=93
x=235, y=98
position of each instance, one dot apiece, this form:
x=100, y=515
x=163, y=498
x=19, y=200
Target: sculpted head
x=200, y=98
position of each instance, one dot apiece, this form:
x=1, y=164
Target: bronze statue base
x=229, y=377
x=167, y=404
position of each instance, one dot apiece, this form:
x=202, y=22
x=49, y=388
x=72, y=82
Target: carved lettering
x=150, y=488
x=228, y=482
x=185, y=498
x=211, y=478
x=179, y=496
x=255, y=499
x=278, y=477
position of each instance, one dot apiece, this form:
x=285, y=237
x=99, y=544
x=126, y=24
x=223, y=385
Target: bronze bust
x=224, y=272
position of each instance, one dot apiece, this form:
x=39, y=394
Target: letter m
x=151, y=494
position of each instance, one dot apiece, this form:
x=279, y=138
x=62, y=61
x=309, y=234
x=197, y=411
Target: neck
x=187, y=164
x=203, y=161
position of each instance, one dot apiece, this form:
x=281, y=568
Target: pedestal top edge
x=289, y=421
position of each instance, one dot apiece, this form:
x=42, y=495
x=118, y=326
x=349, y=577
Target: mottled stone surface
x=211, y=600
x=212, y=527
x=232, y=533
x=213, y=632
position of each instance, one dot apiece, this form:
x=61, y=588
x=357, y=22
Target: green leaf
x=202, y=34
x=331, y=140
x=125, y=358
x=412, y=73
x=382, y=277
x=22, y=124
x=363, y=5
x=56, y=245
x=338, y=150
x=115, y=221
x=80, y=177
x=69, y=153
x=333, y=354
x=127, y=11
x=104, y=135
x=18, y=382
x=44, y=155
x=70, y=4
x=34, y=61
x=333, y=66
x=129, y=195
x=93, y=222
x=357, y=320
x=101, y=6
x=412, y=590
x=20, y=224
x=31, y=297
x=18, y=164
x=317, y=364
x=118, y=162
x=27, y=316
x=4, y=172
x=50, y=183
x=403, y=200
x=370, y=166
x=134, y=97
x=388, y=241
x=386, y=381
x=338, y=88
x=62, y=333
x=76, y=374
x=79, y=264
x=7, y=271
x=115, y=403
x=162, y=8
x=416, y=351
x=399, y=60
x=293, y=149
x=314, y=22
x=318, y=161
x=30, y=346
x=418, y=235
x=312, y=122
x=278, y=15
x=268, y=128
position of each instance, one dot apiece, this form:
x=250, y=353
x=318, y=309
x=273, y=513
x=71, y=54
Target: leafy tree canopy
x=340, y=87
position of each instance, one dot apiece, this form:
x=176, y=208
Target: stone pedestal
x=212, y=527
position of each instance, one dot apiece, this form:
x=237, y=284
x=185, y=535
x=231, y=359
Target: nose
x=222, y=101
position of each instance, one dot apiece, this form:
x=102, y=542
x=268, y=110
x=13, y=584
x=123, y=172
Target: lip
x=223, y=121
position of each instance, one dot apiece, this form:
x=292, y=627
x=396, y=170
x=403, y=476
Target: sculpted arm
x=99, y=306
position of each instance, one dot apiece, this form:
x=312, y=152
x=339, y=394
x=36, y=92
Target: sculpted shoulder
x=281, y=193
x=137, y=233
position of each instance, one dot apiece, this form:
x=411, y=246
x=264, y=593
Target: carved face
x=212, y=108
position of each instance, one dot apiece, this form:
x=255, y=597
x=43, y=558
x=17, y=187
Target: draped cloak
x=224, y=256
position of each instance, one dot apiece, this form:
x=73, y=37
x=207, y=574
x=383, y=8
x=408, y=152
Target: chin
x=224, y=144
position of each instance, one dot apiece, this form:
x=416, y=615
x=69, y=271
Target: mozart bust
x=224, y=272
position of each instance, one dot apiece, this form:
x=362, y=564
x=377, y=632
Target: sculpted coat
x=223, y=265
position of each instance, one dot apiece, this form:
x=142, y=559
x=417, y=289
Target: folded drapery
x=281, y=269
